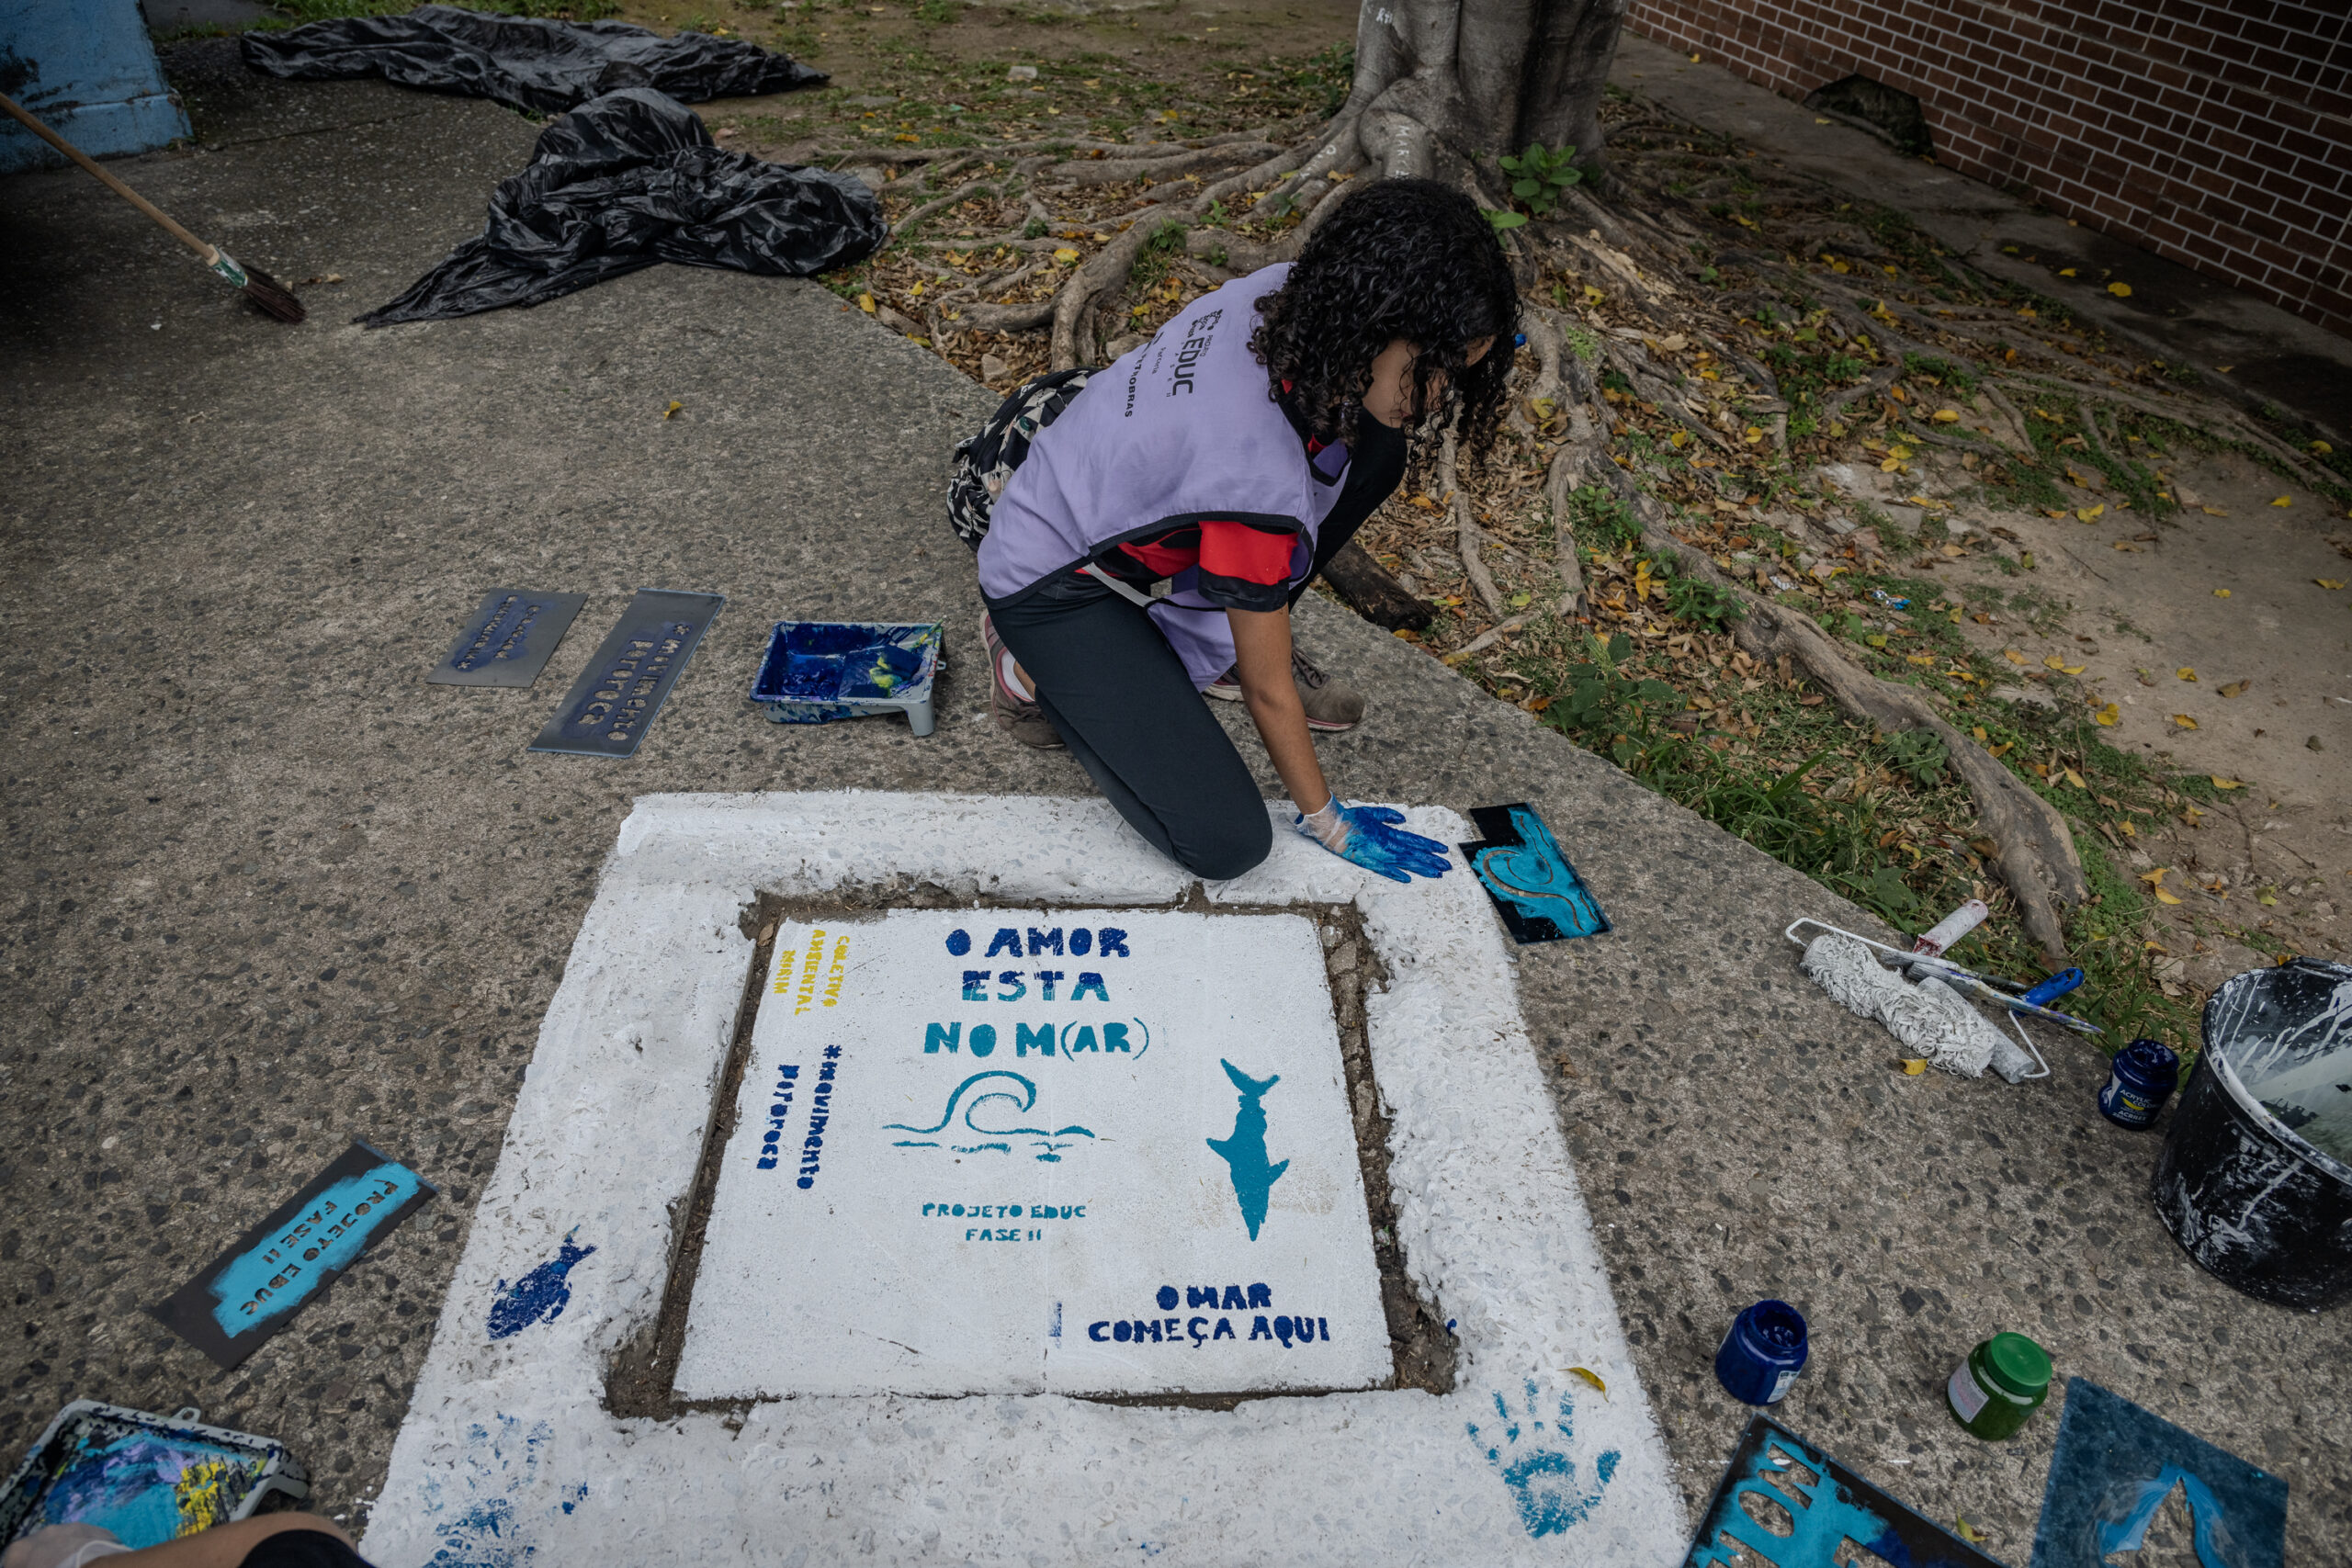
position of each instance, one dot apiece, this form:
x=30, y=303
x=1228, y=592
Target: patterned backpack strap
x=985, y=460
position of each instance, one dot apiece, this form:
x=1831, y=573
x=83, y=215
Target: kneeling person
x=1229, y=458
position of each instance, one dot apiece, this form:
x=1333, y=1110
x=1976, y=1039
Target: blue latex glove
x=1369, y=836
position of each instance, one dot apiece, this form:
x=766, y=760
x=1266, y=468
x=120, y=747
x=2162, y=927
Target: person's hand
x=1369, y=836
x=64, y=1546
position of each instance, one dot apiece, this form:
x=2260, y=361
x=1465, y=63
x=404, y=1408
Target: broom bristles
x=272, y=296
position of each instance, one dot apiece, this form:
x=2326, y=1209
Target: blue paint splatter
x=1542, y=1478
x=491, y=1532
x=539, y=1296
x=1022, y=1101
x=2209, y=1532
x=280, y=1281
x=1245, y=1152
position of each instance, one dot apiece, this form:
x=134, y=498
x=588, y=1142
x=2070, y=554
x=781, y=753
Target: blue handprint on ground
x=1542, y=1477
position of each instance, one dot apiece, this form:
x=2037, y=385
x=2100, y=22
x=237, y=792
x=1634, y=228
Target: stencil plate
x=513, y=634
x=989, y=1151
x=612, y=704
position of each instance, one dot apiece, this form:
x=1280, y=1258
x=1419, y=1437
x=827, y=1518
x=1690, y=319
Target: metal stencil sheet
x=612, y=704
x=510, y=638
x=1786, y=1504
x=1538, y=893
x=254, y=1290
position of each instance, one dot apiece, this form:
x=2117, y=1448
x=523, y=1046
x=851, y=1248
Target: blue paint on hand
x=1245, y=1152
x=1377, y=842
x=539, y=1296
x=1542, y=1477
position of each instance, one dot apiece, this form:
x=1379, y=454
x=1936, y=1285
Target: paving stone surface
x=269, y=891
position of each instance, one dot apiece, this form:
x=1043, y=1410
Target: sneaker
x=1012, y=709
x=1331, y=706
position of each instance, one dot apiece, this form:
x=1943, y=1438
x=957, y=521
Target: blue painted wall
x=88, y=70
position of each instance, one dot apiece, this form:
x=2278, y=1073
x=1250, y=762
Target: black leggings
x=1122, y=701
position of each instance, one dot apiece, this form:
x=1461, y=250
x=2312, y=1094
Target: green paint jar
x=1999, y=1387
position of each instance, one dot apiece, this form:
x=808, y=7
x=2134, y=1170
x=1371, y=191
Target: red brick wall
x=2215, y=133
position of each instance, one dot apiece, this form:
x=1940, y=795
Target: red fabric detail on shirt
x=1250, y=555
x=1162, y=560
x=1226, y=550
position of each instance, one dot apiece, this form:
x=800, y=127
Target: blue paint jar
x=1762, y=1353
x=2140, y=1079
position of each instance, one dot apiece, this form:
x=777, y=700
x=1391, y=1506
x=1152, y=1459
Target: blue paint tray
x=147, y=1478
x=816, y=672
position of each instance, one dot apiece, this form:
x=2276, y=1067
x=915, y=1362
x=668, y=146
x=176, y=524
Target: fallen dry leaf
x=1914, y=1066
x=2120, y=290
x=1590, y=1376
x=2051, y=662
x=2327, y=582
x=2221, y=593
x=672, y=412
x=2186, y=672
x=2013, y=656
x=2236, y=688
x=2183, y=720
x=2089, y=514
x=2221, y=783
x=1947, y=416
x=2214, y=510
x=2109, y=714
x=2284, y=501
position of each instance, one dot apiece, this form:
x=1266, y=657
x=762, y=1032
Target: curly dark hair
x=1408, y=259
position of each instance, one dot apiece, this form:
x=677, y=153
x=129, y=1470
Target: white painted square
x=511, y=1451
x=978, y=1152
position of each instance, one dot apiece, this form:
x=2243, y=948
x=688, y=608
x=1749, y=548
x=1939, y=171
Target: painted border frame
x=507, y=1453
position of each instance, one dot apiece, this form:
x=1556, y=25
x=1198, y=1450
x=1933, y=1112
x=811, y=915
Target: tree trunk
x=1443, y=86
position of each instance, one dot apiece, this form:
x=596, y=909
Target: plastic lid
x=2018, y=1362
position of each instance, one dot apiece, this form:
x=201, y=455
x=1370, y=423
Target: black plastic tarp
x=631, y=179
x=524, y=63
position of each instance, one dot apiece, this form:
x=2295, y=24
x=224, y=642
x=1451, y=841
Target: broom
x=260, y=287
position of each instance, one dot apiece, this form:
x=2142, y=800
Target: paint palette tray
x=149, y=1479
x=816, y=672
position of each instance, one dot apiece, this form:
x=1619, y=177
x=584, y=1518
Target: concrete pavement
x=271, y=892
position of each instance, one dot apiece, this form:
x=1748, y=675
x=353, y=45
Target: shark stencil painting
x=1245, y=1152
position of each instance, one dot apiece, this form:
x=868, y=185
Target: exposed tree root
x=1371, y=593
x=2034, y=853
x=1633, y=263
